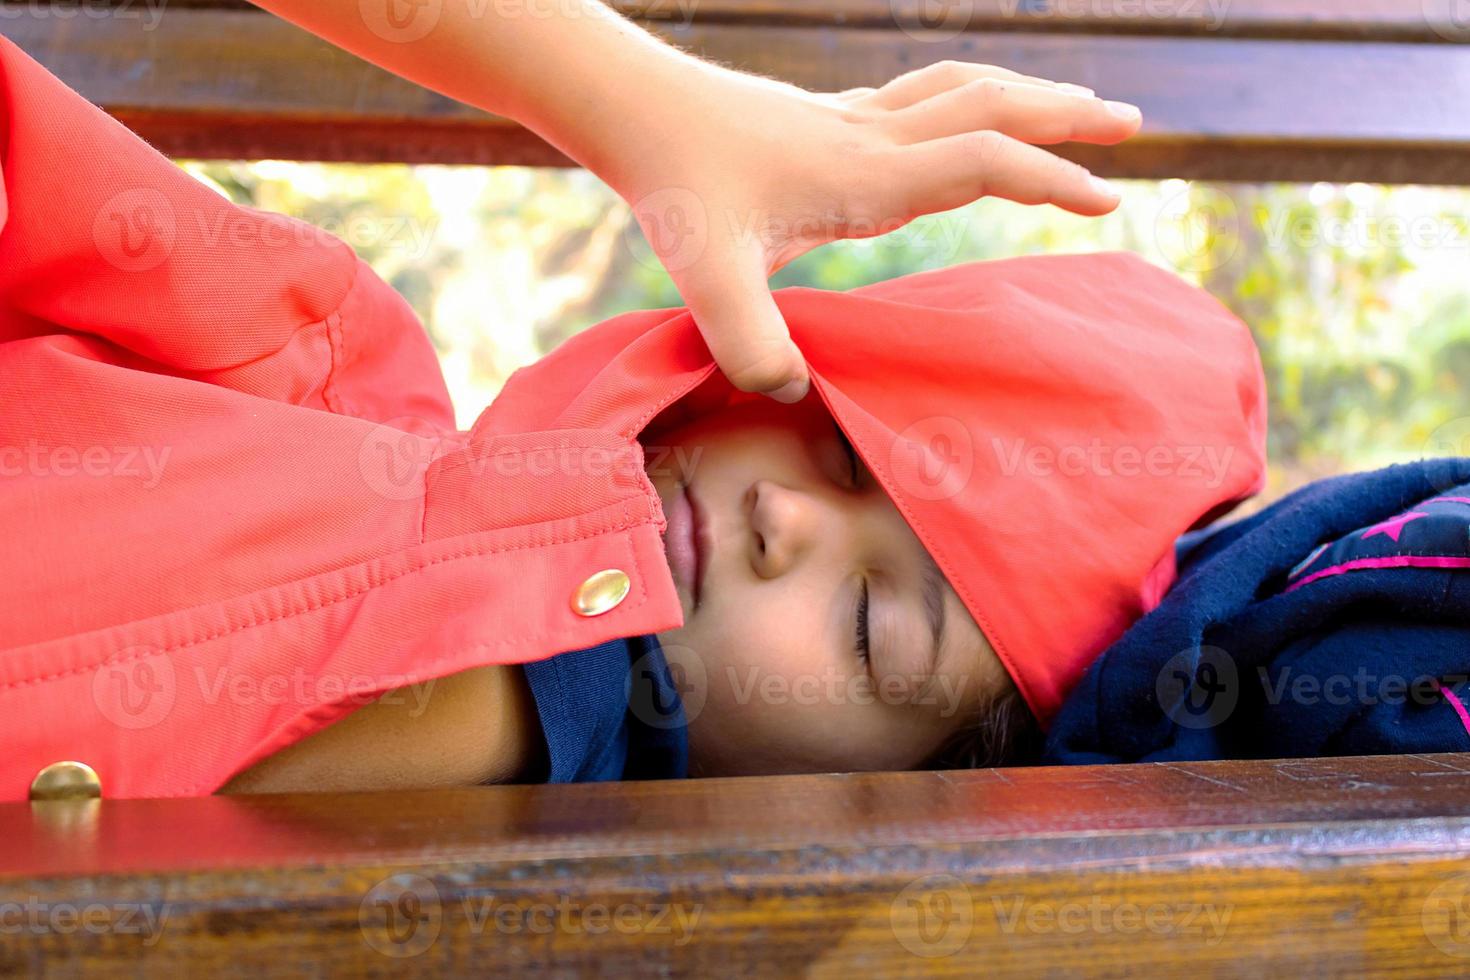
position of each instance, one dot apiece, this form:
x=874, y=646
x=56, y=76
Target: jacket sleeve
x=101, y=235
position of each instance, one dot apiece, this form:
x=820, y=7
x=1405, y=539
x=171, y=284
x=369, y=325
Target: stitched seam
x=1382, y=563
x=315, y=606
x=337, y=345
x=330, y=394
x=653, y=410
x=1349, y=561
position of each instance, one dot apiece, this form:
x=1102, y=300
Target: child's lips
x=703, y=544
x=686, y=541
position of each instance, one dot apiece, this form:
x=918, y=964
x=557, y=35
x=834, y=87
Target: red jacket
x=233, y=504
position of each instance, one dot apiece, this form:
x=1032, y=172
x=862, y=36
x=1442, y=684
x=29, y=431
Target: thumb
x=730, y=299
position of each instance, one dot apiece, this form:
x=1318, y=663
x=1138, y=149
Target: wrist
x=625, y=99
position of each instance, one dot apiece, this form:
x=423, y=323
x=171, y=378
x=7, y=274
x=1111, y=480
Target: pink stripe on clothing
x=1457, y=704
x=1448, y=500
x=1391, y=561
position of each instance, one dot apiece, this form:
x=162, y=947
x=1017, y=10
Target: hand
x=738, y=175
x=730, y=175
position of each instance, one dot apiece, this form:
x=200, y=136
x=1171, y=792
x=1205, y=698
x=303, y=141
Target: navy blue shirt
x=1334, y=622
x=610, y=712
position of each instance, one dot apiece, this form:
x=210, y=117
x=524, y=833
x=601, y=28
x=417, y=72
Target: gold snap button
x=601, y=592
x=66, y=781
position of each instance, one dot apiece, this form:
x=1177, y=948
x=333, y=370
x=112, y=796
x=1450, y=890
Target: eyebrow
x=933, y=593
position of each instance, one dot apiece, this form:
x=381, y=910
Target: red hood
x=1048, y=427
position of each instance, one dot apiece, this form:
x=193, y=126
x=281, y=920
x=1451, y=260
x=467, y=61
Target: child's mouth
x=686, y=541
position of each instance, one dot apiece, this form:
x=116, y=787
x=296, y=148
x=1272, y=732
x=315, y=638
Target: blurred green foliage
x=1359, y=295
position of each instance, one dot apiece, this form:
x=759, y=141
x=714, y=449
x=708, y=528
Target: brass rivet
x=601, y=592
x=66, y=781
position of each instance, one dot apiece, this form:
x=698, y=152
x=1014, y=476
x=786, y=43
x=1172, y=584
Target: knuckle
x=951, y=72
x=987, y=90
x=768, y=365
x=989, y=148
x=1068, y=172
x=761, y=377
x=1058, y=131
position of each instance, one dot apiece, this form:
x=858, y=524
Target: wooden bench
x=1265, y=90
x=1321, y=866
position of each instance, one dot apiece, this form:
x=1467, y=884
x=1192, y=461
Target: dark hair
x=1004, y=734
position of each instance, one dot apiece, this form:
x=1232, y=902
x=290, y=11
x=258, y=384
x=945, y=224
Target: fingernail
x=1075, y=89
x=792, y=391
x=1124, y=111
x=1103, y=187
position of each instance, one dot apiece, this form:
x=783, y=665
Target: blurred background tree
x=1359, y=295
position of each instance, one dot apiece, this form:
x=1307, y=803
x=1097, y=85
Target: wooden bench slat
x=224, y=83
x=1039, y=809
x=1327, y=865
x=1423, y=21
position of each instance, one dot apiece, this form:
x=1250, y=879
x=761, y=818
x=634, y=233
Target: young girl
x=245, y=548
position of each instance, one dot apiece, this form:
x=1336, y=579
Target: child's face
x=769, y=659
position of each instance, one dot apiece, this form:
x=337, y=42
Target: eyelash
x=863, y=651
x=861, y=646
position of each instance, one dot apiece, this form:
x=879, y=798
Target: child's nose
x=783, y=525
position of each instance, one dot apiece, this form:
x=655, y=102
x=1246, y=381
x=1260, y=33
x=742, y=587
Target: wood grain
x=1324, y=867
x=229, y=83
x=1416, y=21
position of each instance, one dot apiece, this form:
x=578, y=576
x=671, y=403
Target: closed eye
x=854, y=463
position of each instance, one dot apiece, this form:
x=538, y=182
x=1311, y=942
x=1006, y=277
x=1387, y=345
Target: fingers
x=1025, y=112
x=953, y=171
x=931, y=80
x=730, y=299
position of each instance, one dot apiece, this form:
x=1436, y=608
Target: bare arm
x=477, y=726
x=574, y=71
